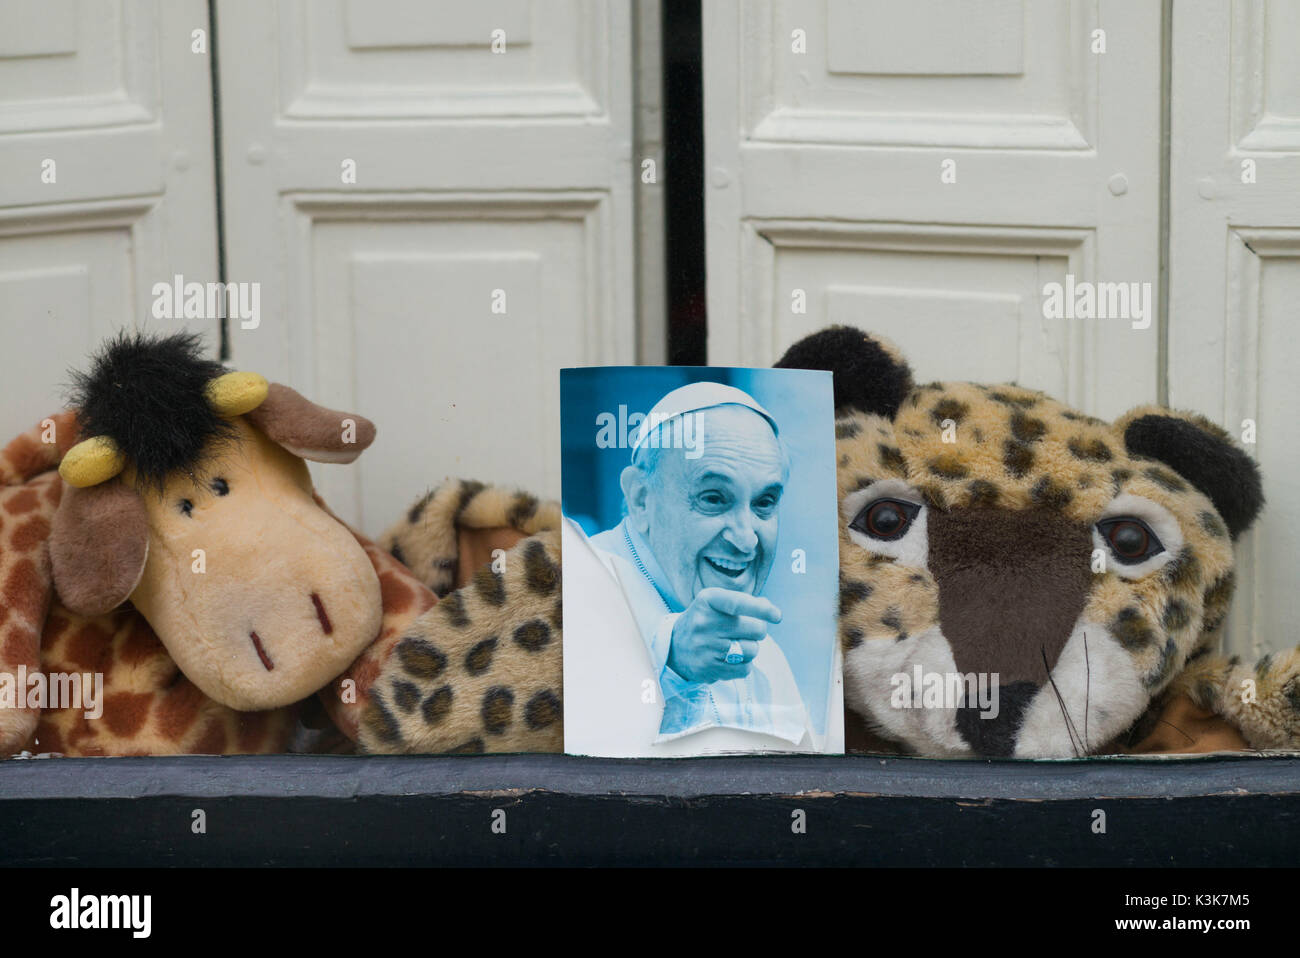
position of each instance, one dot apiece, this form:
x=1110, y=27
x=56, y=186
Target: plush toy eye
x=187, y=507
x=1130, y=539
x=885, y=519
x=220, y=487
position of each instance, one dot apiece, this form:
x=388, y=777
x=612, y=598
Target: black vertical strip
x=683, y=116
x=216, y=167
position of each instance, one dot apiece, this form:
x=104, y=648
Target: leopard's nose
x=1012, y=585
x=995, y=735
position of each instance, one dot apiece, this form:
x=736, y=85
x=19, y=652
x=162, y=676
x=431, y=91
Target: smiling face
x=712, y=521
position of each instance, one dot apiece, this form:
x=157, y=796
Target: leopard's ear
x=869, y=372
x=1203, y=454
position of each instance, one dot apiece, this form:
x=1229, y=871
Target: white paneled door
x=436, y=198
x=106, y=181
x=1234, y=272
x=924, y=170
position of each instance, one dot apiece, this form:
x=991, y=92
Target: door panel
x=129, y=200
x=486, y=240
x=825, y=183
x=1234, y=273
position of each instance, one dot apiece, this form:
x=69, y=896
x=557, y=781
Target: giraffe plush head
x=190, y=498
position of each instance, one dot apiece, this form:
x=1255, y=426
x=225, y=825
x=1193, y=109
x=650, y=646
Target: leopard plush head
x=1018, y=578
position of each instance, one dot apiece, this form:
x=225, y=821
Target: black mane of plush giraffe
x=149, y=395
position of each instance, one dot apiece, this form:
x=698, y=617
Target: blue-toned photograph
x=700, y=559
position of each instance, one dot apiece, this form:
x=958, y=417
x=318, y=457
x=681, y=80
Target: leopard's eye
x=186, y=507
x=220, y=487
x=885, y=519
x=1130, y=539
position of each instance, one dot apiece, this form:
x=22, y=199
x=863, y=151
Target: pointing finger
x=741, y=603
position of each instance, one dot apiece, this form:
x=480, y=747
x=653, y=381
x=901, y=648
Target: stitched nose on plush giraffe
x=325, y=625
x=259, y=594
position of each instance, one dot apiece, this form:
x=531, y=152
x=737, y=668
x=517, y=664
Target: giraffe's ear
x=310, y=431
x=870, y=373
x=99, y=541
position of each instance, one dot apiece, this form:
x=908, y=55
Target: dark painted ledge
x=1241, y=809
x=337, y=776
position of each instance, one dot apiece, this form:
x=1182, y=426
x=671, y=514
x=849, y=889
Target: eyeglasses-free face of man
x=712, y=521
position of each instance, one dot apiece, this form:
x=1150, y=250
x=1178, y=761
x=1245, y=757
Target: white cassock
x=620, y=696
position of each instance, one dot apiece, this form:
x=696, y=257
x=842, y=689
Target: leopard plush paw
x=1261, y=700
x=482, y=670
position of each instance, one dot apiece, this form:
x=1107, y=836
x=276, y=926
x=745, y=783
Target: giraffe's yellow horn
x=237, y=393
x=91, y=462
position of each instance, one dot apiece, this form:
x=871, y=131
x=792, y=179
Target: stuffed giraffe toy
x=177, y=558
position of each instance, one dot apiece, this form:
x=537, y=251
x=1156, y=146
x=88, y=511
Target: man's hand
x=704, y=632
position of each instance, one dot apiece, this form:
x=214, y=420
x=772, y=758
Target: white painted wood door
x=486, y=240
x=106, y=182
x=825, y=175
x=1234, y=273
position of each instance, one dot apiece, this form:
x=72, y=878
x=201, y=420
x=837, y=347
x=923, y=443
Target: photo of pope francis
x=702, y=497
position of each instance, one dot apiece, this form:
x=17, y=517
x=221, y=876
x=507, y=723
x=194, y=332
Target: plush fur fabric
x=311, y=431
x=1260, y=699
x=286, y=598
x=98, y=546
x=482, y=671
x=29, y=493
x=147, y=393
x=1202, y=453
x=427, y=539
x=870, y=373
x=479, y=673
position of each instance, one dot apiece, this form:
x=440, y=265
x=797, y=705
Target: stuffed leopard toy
x=1087, y=565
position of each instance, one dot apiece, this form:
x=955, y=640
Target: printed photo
x=700, y=560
